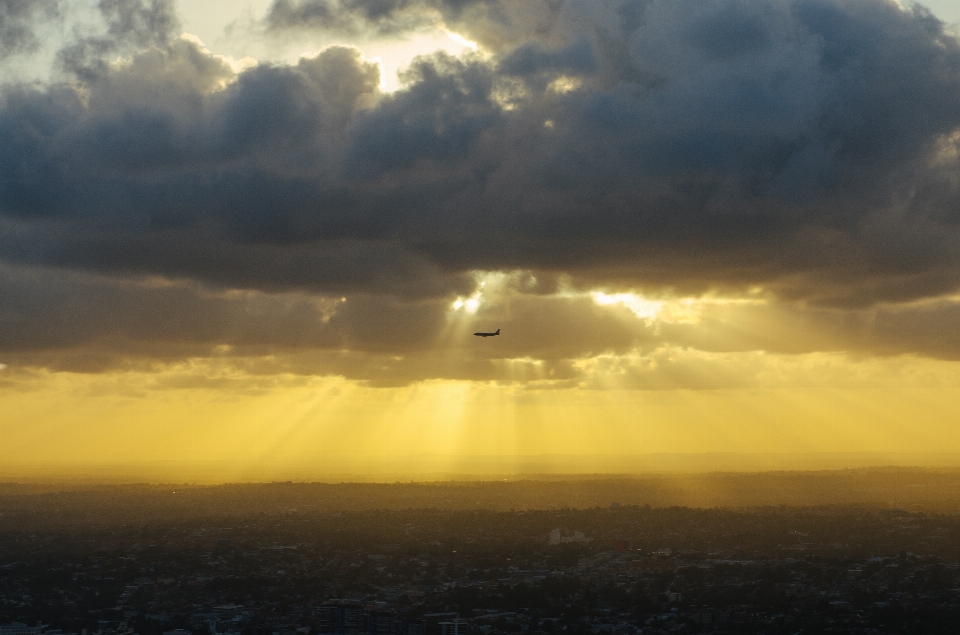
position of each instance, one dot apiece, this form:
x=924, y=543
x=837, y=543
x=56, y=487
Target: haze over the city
x=253, y=239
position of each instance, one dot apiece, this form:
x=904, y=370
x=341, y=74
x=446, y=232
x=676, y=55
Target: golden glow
x=204, y=412
x=256, y=413
x=564, y=84
x=462, y=41
x=393, y=56
x=676, y=310
x=236, y=65
x=490, y=284
x=644, y=309
x=469, y=304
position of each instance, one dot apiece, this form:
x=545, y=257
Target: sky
x=262, y=232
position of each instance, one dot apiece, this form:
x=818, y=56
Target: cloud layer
x=809, y=147
x=18, y=22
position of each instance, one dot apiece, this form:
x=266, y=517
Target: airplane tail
x=498, y=332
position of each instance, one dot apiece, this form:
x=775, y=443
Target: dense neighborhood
x=612, y=569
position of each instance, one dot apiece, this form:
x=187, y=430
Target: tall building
x=407, y=627
x=381, y=623
x=453, y=627
x=353, y=620
x=329, y=620
x=439, y=623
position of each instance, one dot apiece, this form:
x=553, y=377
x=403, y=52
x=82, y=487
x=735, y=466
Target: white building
x=556, y=537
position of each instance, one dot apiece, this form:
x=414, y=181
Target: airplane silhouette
x=482, y=334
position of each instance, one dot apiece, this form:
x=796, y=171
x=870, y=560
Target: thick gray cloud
x=80, y=322
x=18, y=19
x=809, y=146
x=384, y=16
x=128, y=25
x=497, y=24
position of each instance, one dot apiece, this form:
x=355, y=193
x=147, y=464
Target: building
x=329, y=620
x=18, y=628
x=440, y=623
x=557, y=537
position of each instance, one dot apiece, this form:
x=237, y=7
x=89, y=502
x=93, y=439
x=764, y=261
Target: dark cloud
x=18, y=22
x=79, y=322
x=806, y=159
x=128, y=25
x=53, y=310
x=383, y=16
x=495, y=23
x=808, y=146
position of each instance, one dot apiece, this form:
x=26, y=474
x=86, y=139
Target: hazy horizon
x=437, y=468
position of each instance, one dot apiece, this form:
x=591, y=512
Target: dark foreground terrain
x=287, y=559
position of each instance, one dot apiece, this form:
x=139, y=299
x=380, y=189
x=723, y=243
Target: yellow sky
x=202, y=410
x=741, y=374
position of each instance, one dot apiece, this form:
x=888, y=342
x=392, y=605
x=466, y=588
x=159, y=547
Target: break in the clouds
x=808, y=147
